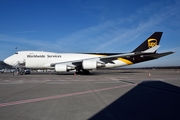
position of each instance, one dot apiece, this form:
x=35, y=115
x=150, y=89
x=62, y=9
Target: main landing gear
x=83, y=72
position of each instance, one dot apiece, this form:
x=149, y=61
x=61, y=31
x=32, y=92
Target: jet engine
x=63, y=68
x=91, y=64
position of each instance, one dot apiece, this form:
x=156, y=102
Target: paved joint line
x=60, y=96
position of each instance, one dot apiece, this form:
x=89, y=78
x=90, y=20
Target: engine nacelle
x=89, y=64
x=60, y=68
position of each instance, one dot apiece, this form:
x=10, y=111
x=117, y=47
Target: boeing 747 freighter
x=83, y=62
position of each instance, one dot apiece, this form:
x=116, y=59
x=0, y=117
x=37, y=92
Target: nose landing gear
x=19, y=68
x=19, y=71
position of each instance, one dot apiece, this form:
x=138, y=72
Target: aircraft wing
x=105, y=59
x=109, y=59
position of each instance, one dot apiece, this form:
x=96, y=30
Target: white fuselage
x=44, y=60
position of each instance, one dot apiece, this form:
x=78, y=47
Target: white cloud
x=26, y=43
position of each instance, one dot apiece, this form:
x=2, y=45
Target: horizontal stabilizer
x=152, y=50
x=158, y=55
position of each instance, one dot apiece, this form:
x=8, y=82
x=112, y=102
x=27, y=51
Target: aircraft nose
x=8, y=61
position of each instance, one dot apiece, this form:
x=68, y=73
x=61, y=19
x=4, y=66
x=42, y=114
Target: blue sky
x=89, y=26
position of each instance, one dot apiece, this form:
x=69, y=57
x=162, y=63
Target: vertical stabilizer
x=152, y=41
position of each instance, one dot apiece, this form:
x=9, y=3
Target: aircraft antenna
x=16, y=48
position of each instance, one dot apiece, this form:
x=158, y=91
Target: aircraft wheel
x=15, y=72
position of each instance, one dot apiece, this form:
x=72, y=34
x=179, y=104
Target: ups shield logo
x=152, y=43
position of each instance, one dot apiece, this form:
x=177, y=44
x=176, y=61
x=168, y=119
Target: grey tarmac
x=105, y=94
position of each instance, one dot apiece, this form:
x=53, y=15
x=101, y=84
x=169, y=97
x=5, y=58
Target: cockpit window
x=16, y=53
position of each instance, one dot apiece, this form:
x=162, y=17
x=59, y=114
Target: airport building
x=4, y=65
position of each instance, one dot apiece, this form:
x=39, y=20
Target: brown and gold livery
x=152, y=43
